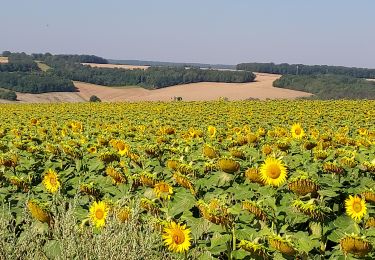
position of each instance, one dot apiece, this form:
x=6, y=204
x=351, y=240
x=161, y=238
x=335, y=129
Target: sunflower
x=211, y=131
x=273, y=172
x=92, y=149
x=355, y=207
x=98, y=213
x=39, y=211
x=297, y=131
x=51, y=181
x=177, y=237
x=163, y=190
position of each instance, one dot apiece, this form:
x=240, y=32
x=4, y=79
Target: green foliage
x=329, y=86
x=35, y=82
x=8, y=95
x=19, y=62
x=154, y=77
x=72, y=58
x=94, y=98
x=300, y=69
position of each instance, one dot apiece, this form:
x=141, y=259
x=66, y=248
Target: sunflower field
x=188, y=180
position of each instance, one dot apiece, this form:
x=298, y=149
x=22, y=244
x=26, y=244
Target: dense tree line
x=70, y=58
x=300, y=69
x=18, y=62
x=154, y=77
x=8, y=95
x=35, y=82
x=329, y=86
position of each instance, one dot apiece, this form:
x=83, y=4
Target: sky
x=332, y=32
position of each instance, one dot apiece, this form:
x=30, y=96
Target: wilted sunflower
x=51, y=181
x=297, y=131
x=273, y=172
x=355, y=207
x=356, y=245
x=39, y=211
x=98, y=213
x=282, y=244
x=124, y=214
x=163, y=190
x=177, y=237
x=254, y=248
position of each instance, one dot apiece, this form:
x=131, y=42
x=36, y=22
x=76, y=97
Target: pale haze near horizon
x=335, y=32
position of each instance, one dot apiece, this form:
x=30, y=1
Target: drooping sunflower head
x=184, y=181
x=99, y=213
x=266, y=149
x=297, y=131
x=253, y=175
x=90, y=189
x=333, y=168
x=355, y=245
x=20, y=183
x=39, y=211
x=254, y=248
x=273, y=172
x=237, y=153
x=255, y=209
x=228, y=165
x=282, y=244
x=51, y=181
x=209, y=151
x=163, y=190
x=369, y=195
x=173, y=164
x=149, y=206
x=124, y=214
x=355, y=207
x=303, y=186
x=309, y=209
x=117, y=176
x=177, y=237
x=370, y=223
x=108, y=157
x=147, y=179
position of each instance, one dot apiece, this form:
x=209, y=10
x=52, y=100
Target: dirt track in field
x=260, y=89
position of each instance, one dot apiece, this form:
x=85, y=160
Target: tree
x=94, y=98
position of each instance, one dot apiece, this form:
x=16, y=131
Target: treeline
x=68, y=68
x=154, y=77
x=8, y=95
x=300, y=69
x=18, y=62
x=35, y=82
x=70, y=58
x=329, y=86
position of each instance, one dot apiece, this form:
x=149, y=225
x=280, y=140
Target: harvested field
x=3, y=59
x=111, y=66
x=260, y=89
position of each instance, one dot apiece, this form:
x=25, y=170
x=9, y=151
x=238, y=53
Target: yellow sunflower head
x=211, y=131
x=177, y=237
x=51, y=181
x=355, y=207
x=163, y=190
x=297, y=131
x=98, y=213
x=273, y=172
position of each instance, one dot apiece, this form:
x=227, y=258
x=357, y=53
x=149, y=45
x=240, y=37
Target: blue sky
x=334, y=32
